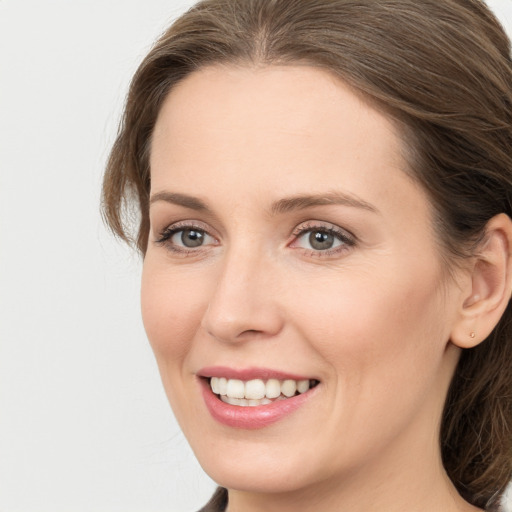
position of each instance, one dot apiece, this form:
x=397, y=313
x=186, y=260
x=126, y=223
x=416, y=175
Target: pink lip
x=248, y=373
x=249, y=417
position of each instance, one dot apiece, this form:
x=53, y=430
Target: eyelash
x=167, y=234
x=347, y=239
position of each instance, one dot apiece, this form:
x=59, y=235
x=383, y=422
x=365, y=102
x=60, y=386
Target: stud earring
x=472, y=334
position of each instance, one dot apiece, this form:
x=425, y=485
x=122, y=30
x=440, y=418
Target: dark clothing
x=218, y=502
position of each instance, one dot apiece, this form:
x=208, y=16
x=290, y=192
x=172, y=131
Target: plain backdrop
x=84, y=423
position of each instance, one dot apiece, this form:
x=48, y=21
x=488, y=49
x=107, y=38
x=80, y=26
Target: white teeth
x=223, y=386
x=288, y=388
x=229, y=400
x=236, y=388
x=272, y=388
x=302, y=386
x=242, y=402
x=256, y=391
x=214, y=383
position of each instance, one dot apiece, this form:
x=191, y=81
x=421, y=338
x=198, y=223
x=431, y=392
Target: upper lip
x=249, y=373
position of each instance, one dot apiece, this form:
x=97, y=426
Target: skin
x=370, y=319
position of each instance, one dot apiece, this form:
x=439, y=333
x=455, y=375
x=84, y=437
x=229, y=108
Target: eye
x=185, y=238
x=322, y=239
x=190, y=238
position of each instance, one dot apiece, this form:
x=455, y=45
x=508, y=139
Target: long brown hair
x=442, y=69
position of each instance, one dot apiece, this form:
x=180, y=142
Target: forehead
x=269, y=98
x=289, y=126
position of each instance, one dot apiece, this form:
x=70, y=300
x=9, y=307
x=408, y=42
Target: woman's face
x=287, y=243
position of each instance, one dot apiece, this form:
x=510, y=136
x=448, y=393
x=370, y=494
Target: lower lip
x=251, y=417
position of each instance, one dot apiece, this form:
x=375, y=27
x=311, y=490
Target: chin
x=248, y=475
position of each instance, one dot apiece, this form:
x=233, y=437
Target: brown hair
x=442, y=70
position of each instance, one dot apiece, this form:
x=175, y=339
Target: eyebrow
x=299, y=202
x=181, y=200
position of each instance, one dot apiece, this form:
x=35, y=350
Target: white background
x=84, y=423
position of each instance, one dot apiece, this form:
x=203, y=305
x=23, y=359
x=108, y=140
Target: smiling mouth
x=255, y=392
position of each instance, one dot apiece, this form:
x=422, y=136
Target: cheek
x=366, y=326
x=172, y=308
x=384, y=346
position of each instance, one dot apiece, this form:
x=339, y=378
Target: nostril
x=250, y=332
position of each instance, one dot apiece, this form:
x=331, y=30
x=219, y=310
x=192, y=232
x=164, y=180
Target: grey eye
x=321, y=240
x=186, y=237
x=190, y=237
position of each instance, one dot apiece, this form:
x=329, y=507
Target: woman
x=324, y=190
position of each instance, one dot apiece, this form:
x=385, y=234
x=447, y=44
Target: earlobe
x=489, y=285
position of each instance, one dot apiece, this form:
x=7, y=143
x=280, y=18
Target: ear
x=487, y=286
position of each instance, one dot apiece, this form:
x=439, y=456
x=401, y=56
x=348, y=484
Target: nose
x=244, y=302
